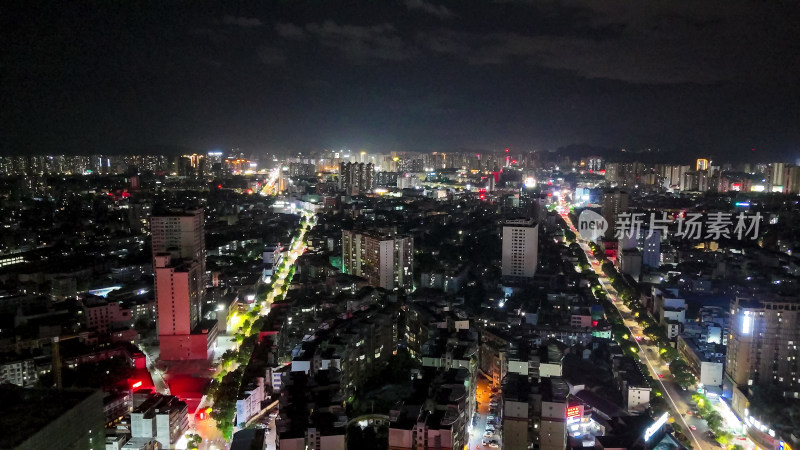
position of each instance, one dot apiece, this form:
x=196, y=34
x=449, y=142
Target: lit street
x=675, y=401
x=483, y=393
x=207, y=428
x=296, y=249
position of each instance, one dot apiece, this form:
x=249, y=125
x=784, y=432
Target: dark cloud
x=439, y=11
x=271, y=55
x=413, y=74
x=361, y=43
x=291, y=31
x=244, y=22
x=679, y=42
x=639, y=43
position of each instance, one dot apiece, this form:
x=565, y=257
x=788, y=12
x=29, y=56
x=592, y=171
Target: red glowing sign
x=136, y=385
x=594, y=323
x=573, y=411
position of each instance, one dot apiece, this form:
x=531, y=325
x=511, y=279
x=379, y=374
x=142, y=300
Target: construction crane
x=56, y=350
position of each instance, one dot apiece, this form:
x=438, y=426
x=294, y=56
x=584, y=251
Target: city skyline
x=406, y=225
x=684, y=78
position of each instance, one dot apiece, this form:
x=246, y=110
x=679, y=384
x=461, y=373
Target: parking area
x=485, y=427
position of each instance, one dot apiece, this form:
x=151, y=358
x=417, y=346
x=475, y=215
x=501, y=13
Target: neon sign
x=650, y=431
x=573, y=411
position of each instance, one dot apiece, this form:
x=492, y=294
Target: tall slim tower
x=775, y=177
x=520, y=248
x=179, y=263
x=181, y=233
x=614, y=202
x=177, y=296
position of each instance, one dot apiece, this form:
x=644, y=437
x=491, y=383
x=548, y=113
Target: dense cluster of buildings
x=441, y=301
x=704, y=176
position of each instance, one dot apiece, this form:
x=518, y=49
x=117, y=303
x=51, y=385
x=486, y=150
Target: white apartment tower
x=177, y=295
x=181, y=234
x=179, y=261
x=520, y=248
x=386, y=261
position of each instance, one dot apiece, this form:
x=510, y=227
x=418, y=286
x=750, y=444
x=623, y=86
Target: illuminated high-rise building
x=386, y=261
x=791, y=179
x=179, y=263
x=774, y=175
x=594, y=163
x=520, y=248
x=675, y=177
x=180, y=233
x=763, y=347
x=177, y=295
x=615, y=202
x=702, y=164
x=625, y=174
x=356, y=178
x=696, y=181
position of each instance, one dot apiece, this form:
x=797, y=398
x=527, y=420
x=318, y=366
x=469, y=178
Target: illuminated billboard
x=747, y=323
x=652, y=429
x=574, y=413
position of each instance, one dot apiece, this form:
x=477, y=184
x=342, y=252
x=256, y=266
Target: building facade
x=615, y=202
x=179, y=260
x=356, y=178
x=181, y=233
x=101, y=315
x=386, y=261
x=763, y=347
x=520, y=248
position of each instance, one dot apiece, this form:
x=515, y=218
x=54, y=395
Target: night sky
x=687, y=77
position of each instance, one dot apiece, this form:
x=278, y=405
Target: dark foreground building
x=49, y=418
